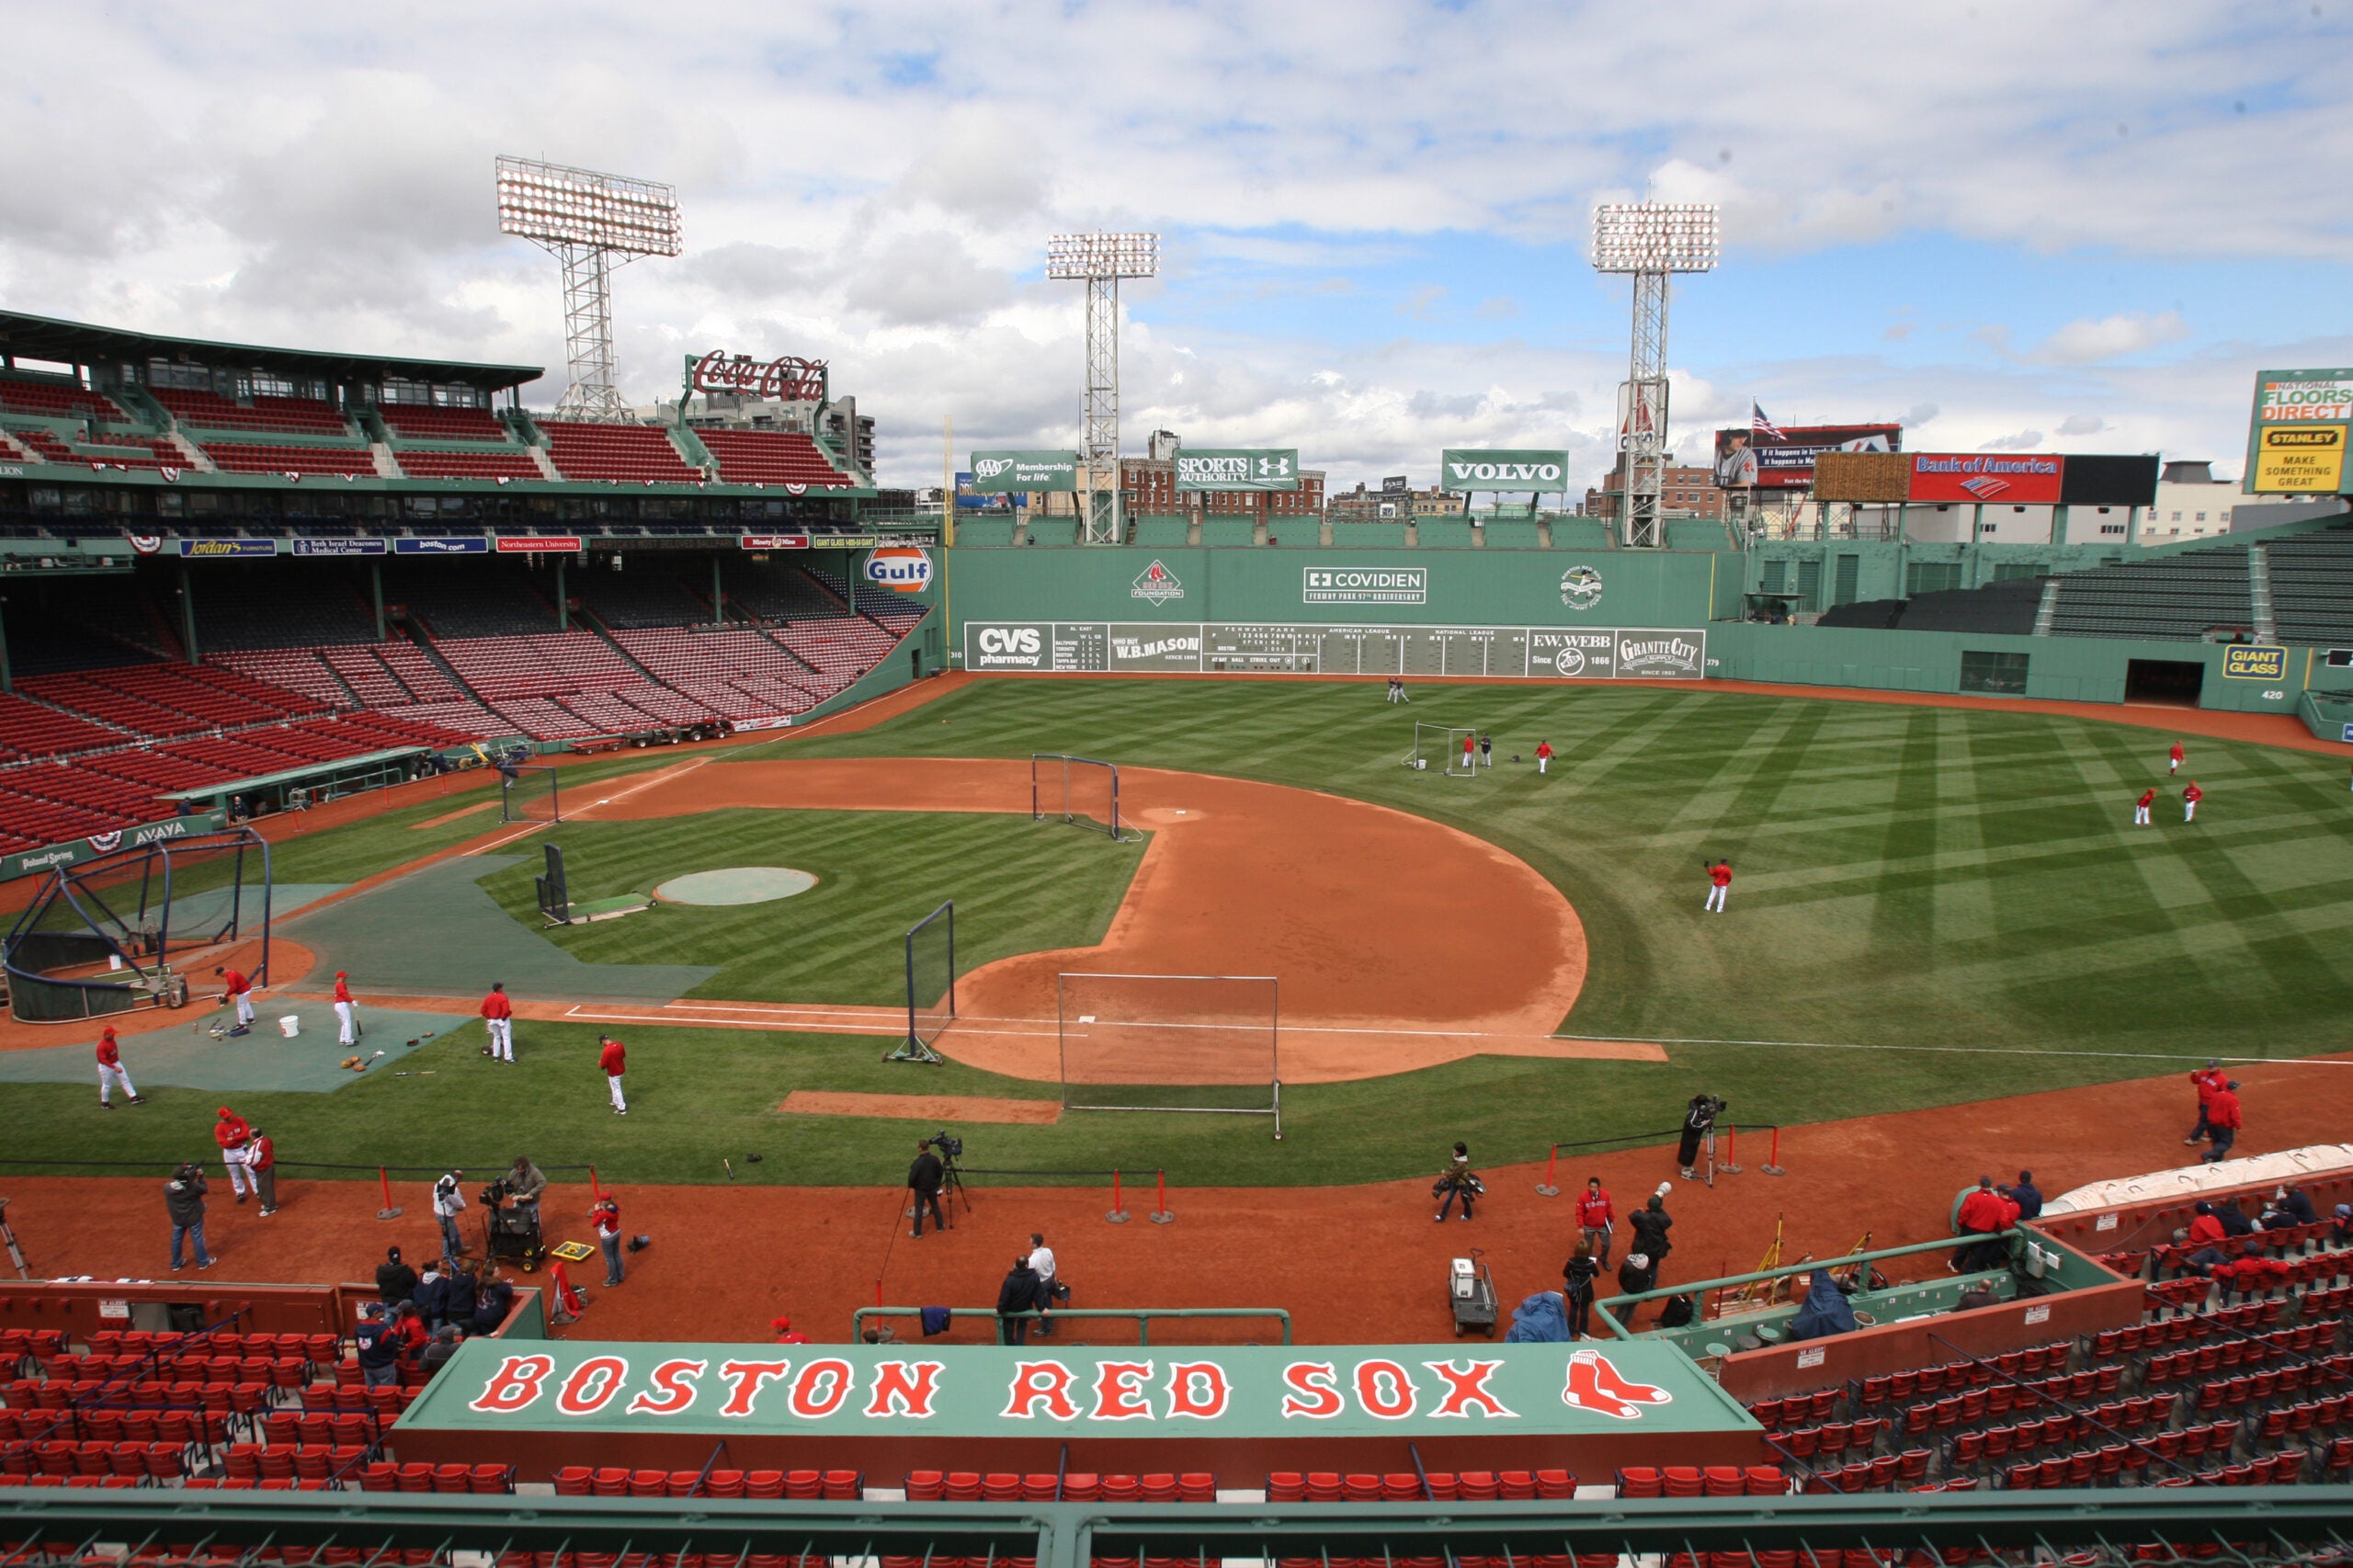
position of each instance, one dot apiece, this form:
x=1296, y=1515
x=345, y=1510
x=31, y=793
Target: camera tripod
x=951, y=1188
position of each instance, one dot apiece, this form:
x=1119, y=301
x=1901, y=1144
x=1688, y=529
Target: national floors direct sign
x=2296, y=439
x=1537, y=653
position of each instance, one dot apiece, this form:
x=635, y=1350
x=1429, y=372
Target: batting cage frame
x=1201, y=1044
x=120, y=931
x=1077, y=783
x=931, y=984
x=529, y=794
x=1453, y=761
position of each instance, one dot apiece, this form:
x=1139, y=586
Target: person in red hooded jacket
x=1985, y=1214
x=2208, y=1081
x=1597, y=1219
x=234, y=1134
x=2223, y=1116
x=111, y=1071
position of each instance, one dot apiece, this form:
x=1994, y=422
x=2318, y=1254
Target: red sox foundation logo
x=1595, y=1385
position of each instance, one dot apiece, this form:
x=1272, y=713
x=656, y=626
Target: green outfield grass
x=1955, y=899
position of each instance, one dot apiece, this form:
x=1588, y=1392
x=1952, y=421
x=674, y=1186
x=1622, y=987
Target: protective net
x=140, y=925
x=1438, y=748
x=931, y=983
x=1178, y=1042
x=529, y=796
x=1076, y=790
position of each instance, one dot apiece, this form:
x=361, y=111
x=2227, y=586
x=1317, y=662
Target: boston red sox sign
x=1260, y=1391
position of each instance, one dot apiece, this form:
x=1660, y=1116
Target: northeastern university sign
x=974, y=1391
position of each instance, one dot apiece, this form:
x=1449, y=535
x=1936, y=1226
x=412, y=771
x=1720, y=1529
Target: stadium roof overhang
x=77, y=342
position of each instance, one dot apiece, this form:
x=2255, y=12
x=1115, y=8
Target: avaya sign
x=785, y=379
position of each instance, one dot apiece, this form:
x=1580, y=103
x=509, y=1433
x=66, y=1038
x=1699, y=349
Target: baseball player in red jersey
x=234, y=1133
x=111, y=1071
x=614, y=1060
x=2190, y=796
x=346, y=1012
x=1471, y=751
x=1544, y=755
x=2173, y=760
x=2141, y=807
x=1719, y=884
x=238, y=991
x=498, y=1015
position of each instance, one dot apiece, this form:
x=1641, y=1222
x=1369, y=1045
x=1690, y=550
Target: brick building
x=1683, y=493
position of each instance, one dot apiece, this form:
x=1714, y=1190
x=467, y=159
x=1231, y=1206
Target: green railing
x=2146, y=1527
x=1143, y=1317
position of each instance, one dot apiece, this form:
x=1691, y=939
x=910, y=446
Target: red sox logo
x=1595, y=1385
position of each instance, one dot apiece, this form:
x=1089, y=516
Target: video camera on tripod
x=950, y=1147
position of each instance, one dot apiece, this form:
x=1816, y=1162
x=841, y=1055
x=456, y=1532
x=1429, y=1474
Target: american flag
x=1760, y=425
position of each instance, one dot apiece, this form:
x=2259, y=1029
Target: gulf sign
x=1001, y=1391
x=902, y=568
x=2006, y=479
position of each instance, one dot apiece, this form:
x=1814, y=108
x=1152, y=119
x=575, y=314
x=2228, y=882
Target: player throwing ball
x=1719, y=884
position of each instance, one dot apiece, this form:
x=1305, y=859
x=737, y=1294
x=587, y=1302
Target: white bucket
x=291, y=1025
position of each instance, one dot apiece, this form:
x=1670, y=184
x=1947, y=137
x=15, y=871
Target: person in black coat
x=395, y=1280
x=1576, y=1288
x=1017, y=1294
x=1651, y=1224
x=2234, y=1218
x=432, y=1296
x=496, y=1300
x=922, y=1180
x=458, y=1306
x=2027, y=1196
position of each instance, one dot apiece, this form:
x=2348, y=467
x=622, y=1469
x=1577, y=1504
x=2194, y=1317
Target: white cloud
x=2022, y=441
x=2082, y=424
x=2090, y=342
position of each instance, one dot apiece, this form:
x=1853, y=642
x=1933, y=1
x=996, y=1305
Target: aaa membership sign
x=1004, y=1390
x=2296, y=439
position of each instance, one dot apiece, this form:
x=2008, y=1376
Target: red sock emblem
x=1595, y=1385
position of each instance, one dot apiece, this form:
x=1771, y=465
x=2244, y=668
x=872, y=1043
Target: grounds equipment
x=1442, y=744
x=1080, y=790
x=1170, y=1042
x=1470, y=1293
x=931, y=984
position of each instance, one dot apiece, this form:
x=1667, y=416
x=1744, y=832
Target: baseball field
x=1932, y=905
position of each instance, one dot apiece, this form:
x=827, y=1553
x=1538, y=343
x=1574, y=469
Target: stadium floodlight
x=1101, y=261
x=1650, y=241
x=591, y=222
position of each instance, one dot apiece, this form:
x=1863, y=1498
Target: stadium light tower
x=592, y=223
x=1101, y=261
x=1649, y=240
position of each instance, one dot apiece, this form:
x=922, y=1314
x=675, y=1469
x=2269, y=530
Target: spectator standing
x=1576, y=1287
x=1636, y=1274
x=184, y=1201
x=922, y=1180
x=111, y=1071
x=2028, y=1197
x=378, y=1352
x=1016, y=1296
x=494, y=1300
x=2208, y=1081
x=462, y=1305
x=606, y=1215
x=1050, y=1288
x=233, y=1132
x=448, y=1203
x=1650, y=1227
x=2224, y=1119
x=261, y=1169
x=1596, y=1218
x=785, y=1335
x=432, y=1296
x=614, y=1060
x=395, y=1280
x=498, y=1020
x=1982, y=1216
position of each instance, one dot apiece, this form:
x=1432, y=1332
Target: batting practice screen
x=529, y=796
x=931, y=983
x=1178, y=1042
x=1075, y=790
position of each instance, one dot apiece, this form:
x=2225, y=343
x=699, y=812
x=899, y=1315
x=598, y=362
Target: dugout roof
x=77, y=342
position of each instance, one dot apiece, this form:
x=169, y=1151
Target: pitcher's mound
x=736, y=884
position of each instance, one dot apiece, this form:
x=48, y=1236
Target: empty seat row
x=583, y=1481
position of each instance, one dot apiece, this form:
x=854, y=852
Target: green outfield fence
x=1143, y=1317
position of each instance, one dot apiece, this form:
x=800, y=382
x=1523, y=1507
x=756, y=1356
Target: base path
x=1399, y=942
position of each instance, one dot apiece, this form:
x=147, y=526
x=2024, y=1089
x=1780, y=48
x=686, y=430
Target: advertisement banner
x=1641, y=409
x=1238, y=468
x=1541, y=652
x=1571, y=655
x=1661, y=656
x=2298, y=459
x=1211, y=1393
x=1002, y=473
x=340, y=546
x=1784, y=460
x=2011, y=479
x=74, y=851
x=463, y=544
x=2241, y=662
x=1155, y=647
x=902, y=568
x=539, y=544
x=1365, y=586
x=785, y=379
x=1462, y=469
x=226, y=549
x=774, y=541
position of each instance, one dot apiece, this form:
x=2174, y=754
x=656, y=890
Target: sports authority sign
x=784, y=379
x=2010, y=479
x=1010, y=473
x=2296, y=439
x=1393, y=1392
x=1464, y=470
x=1238, y=468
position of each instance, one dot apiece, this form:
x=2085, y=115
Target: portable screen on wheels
x=528, y=794
x=1076, y=790
x=931, y=983
x=1171, y=1043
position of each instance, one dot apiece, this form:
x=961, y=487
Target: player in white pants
x=346, y=1012
x=498, y=1018
x=1719, y=884
x=111, y=1072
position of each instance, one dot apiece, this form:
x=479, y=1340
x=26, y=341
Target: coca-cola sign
x=786, y=380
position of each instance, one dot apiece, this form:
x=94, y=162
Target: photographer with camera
x=524, y=1184
x=448, y=1203
x=1458, y=1182
x=924, y=1178
x=1699, y=1120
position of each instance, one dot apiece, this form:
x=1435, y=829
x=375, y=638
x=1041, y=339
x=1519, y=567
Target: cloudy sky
x=2052, y=225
